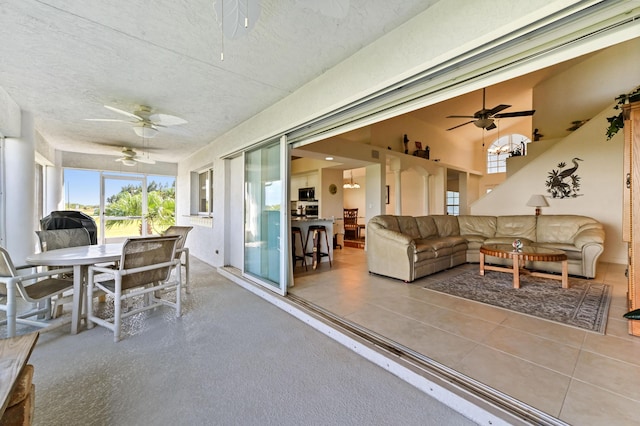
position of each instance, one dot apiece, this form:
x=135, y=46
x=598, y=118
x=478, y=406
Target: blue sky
x=83, y=186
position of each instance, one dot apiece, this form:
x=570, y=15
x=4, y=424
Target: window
x=453, y=203
x=504, y=147
x=205, y=192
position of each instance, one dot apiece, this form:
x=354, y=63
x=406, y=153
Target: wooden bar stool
x=297, y=231
x=316, y=254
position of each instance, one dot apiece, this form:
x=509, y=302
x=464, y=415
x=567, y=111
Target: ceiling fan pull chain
x=246, y=17
x=222, y=30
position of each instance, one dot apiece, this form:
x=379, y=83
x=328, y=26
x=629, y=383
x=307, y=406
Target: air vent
x=375, y=153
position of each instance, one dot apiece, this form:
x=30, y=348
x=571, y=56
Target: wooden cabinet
x=631, y=208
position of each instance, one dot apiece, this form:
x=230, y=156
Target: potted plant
x=616, y=122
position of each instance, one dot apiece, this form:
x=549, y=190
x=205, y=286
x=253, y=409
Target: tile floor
x=577, y=376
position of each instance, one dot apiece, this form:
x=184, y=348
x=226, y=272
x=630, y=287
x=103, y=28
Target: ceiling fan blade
x=110, y=120
x=515, y=114
x=460, y=125
x=491, y=126
x=166, y=119
x=123, y=112
x=461, y=116
x=144, y=160
x=498, y=108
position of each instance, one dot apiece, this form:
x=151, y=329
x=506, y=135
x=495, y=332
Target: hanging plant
x=616, y=122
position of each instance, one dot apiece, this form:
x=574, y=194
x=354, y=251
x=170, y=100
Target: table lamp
x=537, y=201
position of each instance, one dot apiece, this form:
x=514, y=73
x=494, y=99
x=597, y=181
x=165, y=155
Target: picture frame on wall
x=386, y=197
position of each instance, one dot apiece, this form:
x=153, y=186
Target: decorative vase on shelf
x=517, y=245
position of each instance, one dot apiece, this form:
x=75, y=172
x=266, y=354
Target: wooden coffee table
x=528, y=253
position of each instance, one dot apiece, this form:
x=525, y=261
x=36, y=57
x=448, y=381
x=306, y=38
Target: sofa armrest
x=390, y=253
x=589, y=236
x=394, y=236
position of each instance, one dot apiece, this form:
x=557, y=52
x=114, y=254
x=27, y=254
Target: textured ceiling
x=63, y=60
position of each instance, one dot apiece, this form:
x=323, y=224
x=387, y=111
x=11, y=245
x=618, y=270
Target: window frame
x=505, y=144
x=453, y=202
x=198, y=191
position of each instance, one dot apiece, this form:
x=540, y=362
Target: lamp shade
x=537, y=200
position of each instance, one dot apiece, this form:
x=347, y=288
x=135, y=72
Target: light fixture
x=328, y=158
x=537, y=201
x=129, y=162
x=146, y=130
x=351, y=184
x=483, y=123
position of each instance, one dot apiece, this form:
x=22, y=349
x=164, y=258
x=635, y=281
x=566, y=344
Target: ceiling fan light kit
x=146, y=131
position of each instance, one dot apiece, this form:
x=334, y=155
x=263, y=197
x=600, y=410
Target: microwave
x=307, y=194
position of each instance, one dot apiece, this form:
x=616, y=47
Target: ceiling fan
x=146, y=123
x=575, y=125
x=485, y=117
x=131, y=158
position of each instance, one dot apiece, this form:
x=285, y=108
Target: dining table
x=80, y=258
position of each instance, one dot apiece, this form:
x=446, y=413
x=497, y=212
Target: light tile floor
x=578, y=376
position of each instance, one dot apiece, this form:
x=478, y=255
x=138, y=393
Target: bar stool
x=297, y=231
x=314, y=232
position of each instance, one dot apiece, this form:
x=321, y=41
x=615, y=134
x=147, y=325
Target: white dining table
x=80, y=258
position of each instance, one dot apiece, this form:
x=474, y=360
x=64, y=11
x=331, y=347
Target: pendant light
x=351, y=184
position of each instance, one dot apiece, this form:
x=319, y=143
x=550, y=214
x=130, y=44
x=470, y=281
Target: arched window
x=503, y=147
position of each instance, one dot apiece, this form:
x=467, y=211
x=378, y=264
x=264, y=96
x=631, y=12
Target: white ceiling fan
x=146, y=122
x=131, y=158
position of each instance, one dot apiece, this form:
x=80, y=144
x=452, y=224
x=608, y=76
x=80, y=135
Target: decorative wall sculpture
x=563, y=182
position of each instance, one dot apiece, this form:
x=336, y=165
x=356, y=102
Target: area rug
x=585, y=304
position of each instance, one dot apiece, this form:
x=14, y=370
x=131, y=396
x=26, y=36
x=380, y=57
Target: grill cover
x=69, y=219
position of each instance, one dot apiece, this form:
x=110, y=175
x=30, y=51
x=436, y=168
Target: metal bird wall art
x=563, y=182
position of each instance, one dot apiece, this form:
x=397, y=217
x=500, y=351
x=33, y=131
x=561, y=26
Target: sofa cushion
x=474, y=239
x=572, y=251
x=408, y=226
x=563, y=228
x=427, y=227
x=447, y=225
x=522, y=227
x=483, y=226
x=435, y=244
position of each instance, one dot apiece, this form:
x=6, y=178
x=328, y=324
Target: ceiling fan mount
x=146, y=123
x=485, y=118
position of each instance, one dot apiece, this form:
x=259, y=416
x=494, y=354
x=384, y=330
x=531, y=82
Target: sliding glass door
x=265, y=196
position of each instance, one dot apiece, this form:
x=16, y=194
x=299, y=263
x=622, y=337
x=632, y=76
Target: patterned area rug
x=584, y=305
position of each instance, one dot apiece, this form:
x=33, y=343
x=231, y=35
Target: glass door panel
x=263, y=201
x=124, y=206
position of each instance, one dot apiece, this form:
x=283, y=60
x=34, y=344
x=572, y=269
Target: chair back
x=6, y=265
x=182, y=231
x=63, y=238
x=350, y=219
x=147, y=251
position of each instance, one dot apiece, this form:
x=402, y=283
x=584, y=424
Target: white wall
x=600, y=195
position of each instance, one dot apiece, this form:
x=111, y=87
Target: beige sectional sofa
x=407, y=247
